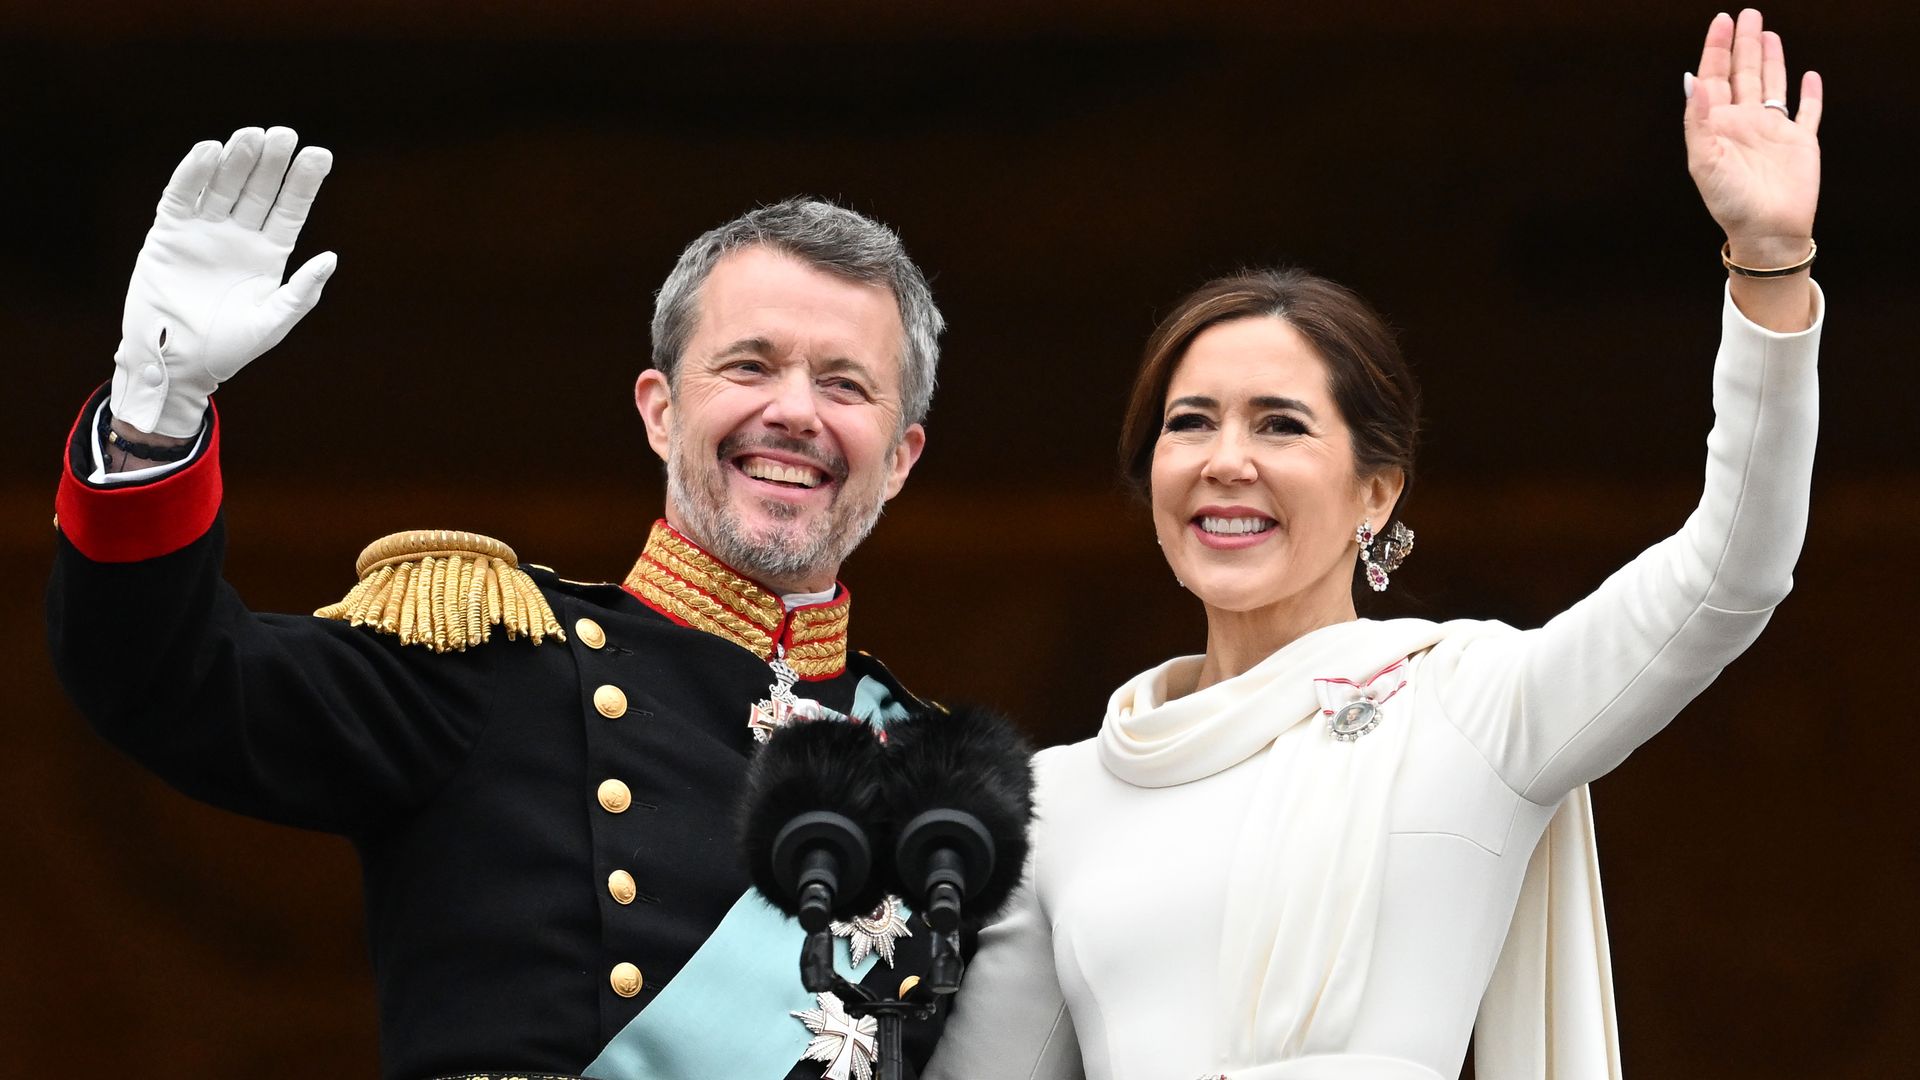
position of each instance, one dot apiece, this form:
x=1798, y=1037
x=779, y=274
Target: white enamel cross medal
x=848, y=1047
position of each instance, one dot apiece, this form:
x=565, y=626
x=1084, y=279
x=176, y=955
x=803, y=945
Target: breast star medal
x=848, y=1047
x=874, y=933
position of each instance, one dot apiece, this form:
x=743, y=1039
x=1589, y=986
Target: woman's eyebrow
x=1287, y=403
x=1199, y=401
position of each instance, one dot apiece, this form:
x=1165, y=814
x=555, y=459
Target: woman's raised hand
x=1758, y=169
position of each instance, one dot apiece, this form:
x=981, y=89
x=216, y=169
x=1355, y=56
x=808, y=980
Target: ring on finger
x=1776, y=103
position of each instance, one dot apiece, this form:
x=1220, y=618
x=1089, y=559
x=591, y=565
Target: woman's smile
x=1231, y=528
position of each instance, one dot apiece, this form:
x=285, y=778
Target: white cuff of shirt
x=100, y=475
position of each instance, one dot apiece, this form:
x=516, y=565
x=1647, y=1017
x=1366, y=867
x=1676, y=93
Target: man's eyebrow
x=753, y=346
x=836, y=364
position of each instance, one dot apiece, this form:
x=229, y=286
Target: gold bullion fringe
x=445, y=590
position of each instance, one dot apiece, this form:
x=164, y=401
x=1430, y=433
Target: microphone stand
x=890, y=1014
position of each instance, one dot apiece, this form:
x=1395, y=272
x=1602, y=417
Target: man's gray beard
x=773, y=557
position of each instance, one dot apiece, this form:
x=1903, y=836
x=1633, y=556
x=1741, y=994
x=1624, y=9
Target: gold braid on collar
x=445, y=590
x=675, y=577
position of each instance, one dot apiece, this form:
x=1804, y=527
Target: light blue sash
x=727, y=1014
x=875, y=704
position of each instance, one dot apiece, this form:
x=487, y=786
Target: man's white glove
x=206, y=296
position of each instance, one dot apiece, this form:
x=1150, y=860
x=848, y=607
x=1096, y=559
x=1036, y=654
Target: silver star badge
x=848, y=1047
x=875, y=932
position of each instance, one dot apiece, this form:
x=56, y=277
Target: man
x=539, y=775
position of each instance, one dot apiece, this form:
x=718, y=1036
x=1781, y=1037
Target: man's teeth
x=1234, y=526
x=762, y=469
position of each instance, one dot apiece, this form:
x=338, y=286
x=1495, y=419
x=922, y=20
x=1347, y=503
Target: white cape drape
x=1304, y=886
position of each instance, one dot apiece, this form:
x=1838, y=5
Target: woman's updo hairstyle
x=1371, y=382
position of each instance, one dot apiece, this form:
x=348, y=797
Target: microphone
x=811, y=819
x=961, y=786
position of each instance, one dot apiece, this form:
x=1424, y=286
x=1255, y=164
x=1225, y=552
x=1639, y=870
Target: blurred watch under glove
x=206, y=296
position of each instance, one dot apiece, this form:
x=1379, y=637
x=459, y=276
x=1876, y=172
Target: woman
x=1320, y=848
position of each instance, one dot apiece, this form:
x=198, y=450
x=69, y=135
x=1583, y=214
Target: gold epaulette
x=445, y=590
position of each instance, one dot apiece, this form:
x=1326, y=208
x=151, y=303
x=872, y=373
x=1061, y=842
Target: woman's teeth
x=1234, y=526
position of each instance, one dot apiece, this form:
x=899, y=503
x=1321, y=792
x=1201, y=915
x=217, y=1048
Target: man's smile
x=786, y=474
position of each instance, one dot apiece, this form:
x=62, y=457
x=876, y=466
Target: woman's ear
x=1380, y=492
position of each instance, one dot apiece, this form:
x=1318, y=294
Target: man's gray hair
x=827, y=237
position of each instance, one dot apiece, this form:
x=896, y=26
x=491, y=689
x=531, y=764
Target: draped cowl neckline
x=1151, y=740
x=1302, y=903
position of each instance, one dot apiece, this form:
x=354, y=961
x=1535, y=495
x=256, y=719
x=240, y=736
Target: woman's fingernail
x=1686, y=85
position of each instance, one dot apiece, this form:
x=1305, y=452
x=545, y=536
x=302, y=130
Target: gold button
x=615, y=796
x=625, y=979
x=611, y=702
x=589, y=633
x=620, y=884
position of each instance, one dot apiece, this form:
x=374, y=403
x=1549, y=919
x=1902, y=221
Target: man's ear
x=653, y=397
x=905, y=453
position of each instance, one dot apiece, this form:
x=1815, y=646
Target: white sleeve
x=1556, y=707
x=1009, y=1020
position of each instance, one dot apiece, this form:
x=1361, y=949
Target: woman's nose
x=1229, y=462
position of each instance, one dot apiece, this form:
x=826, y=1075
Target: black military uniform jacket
x=581, y=791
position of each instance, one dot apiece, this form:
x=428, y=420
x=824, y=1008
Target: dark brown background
x=1507, y=183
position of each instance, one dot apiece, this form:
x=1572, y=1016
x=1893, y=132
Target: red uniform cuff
x=131, y=522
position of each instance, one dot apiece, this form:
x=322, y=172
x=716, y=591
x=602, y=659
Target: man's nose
x=794, y=404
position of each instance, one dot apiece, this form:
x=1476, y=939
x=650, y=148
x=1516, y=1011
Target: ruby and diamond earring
x=1395, y=545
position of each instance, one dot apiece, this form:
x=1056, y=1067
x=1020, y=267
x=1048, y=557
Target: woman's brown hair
x=1371, y=382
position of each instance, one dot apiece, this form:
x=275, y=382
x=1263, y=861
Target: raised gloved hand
x=206, y=296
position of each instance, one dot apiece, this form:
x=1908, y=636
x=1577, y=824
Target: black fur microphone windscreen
x=808, y=766
x=974, y=761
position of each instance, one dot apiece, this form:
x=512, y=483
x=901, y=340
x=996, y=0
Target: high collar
x=677, y=578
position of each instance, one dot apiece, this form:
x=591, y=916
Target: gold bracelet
x=1726, y=260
